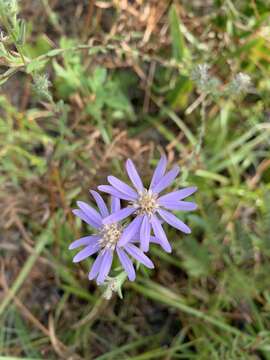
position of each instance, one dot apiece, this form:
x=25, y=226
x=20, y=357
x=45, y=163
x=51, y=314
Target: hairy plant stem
x=12, y=35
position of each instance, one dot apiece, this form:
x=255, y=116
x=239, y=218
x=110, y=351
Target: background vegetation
x=97, y=82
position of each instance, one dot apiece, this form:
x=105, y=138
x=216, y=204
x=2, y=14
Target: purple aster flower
x=150, y=208
x=105, y=241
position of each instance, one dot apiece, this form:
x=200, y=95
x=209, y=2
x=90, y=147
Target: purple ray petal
x=145, y=234
x=133, y=175
x=154, y=240
x=86, y=252
x=95, y=267
x=115, y=204
x=136, y=237
x=105, y=266
x=137, y=254
x=178, y=205
x=84, y=217
x=100, y=203
x=174, y=221
x=122, y=187
x=179, y=194
x=166, y=180
x=87, y=240
x=90, y=212
x=119, y=215
x=126, y=263
x=130, y=231
x=160, y=234
x=165, y=245
x=112, y=191
x=159, y=172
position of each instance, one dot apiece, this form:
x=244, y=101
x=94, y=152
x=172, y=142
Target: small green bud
x=41, y=87
x=114, y=285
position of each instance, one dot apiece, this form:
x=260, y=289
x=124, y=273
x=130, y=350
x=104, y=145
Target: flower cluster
x=147, y=211
x=205, y=82
x=241, y=84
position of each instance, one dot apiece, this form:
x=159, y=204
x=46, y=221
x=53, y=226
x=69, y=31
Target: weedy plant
x=116, y=80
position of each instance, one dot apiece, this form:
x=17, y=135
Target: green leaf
x=38, y=48
x=179, y=95
x=98, y=79
x=178, y=44
x=3, y=51
x=36, y=65
x=54, y=52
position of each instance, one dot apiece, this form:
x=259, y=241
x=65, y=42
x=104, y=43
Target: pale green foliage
x=41, y=87
x=9, y=9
